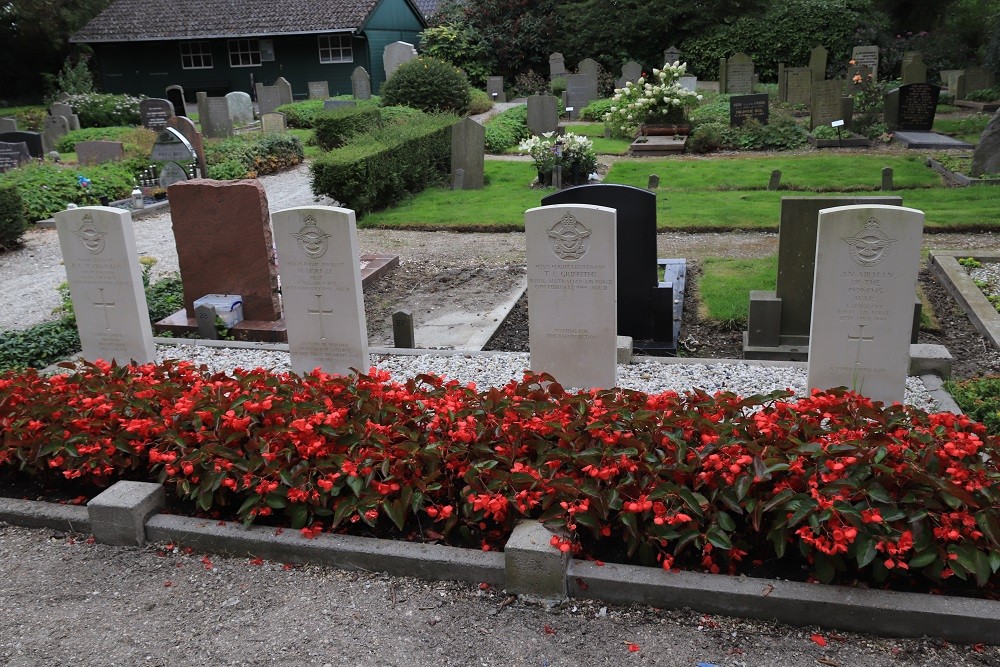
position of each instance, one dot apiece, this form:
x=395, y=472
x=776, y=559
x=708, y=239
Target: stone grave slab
x=105, y=284
x=319, y=90
x=96, y=152
x=543, y=114
x=13, y=155
x=658, y=145
x=8, y=125
x=468, y=153
x=33, y=140
x=240, y=108
x=176, y=96
x=581, y=89
x=817, y=63
x=911, y=107
x=396, y=54
x=571, y=257
x=273, y=122
x=267, y=98
x=494, y=88
x=866, y=56
x=739, y=74
x=867, y=259
x=154, y=113
x=826, y=105
x=56, y=127
x=186, y=128
x=748, y=107
x=284, y=87
x=557, y=65
x=648, y=310
x=317, y=250
x=928, y=140
x=361, y=84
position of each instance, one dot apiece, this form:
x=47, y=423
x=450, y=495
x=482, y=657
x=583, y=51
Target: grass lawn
x=967, y=128
x=304, y=136
x=690, y=197
x=595, y=131
x=725, y=284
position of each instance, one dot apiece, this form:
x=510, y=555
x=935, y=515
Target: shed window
x=335, y=48
x=244, y=53
x=196, y=55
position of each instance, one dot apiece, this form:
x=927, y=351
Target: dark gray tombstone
x=154, y=113
x=774, y=183
x=494, y=88
x=402, y=329
x=361, y=84
x=66, y=111
x=205, y=315
x=172, y=173
x=543, y=114
x=97, y=152
x=826, y=105
x=581, y=89
x=557, y=65
x=739, y=75
x=216, y=122
x=468, y=154
x=914, y=70
x=284, y=87
x=33, y=140
x=748, y=107
x=589, y=66
x=986, y=157
x=911, y=107
x=887, y=185
x=176, y=96
x=8, y=125
x=671, y=55
x=268, y=98
x=13, y=155
x=56, y=127
x=798, y=82
x=646, y=307
x=172, y=145
x=817, y=63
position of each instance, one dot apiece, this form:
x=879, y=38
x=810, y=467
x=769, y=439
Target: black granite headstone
x=13, y=155
x=32, y=139
x=917, y=104
x=748, y=107
x=645, y=310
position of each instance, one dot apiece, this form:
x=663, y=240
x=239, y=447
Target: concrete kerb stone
x=623, y=349
x=426, y=561
x=39, y=514
x=944, y=265
x=926, y=358
x=118, y=514
x=534, y=568
x=935, y=386
x=883, y=613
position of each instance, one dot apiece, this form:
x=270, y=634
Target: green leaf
x=396, y=512
x=742, y=486
x=923, y=560
x=824, y=568
x=276, y=500
x=690, y=501
x=725, y=522
x=718, y=538
x=866, y=551
x=248, y=505
x=298, y=514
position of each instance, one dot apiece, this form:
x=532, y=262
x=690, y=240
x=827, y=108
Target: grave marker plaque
x=748, y=107
x=56, y=127
x=154, y=113
x=8, y=125
x=867, y=258
x=688, y=83
x=172, y=173
x=977, y=78
x=571, y=258
x=105, y=284
x=321, y=289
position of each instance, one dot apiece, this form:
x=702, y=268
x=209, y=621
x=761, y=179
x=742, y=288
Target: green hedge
x=252, y=155
x=12, y=220
x=303, y=114
x=335, y=127
x=507, y=129
x=47, y=188
x=379, y=168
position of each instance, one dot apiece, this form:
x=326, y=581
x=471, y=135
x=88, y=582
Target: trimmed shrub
x=379, y=168
x=400, y=115
x=136, y=141
x=707, y=138
x=428, y=84
x=303, y=114
x=12, y=221
x=101, y=110
x=979, y=398
x=479, y=102
x=252, y=155
x=29, y=118
x=596, y=109
x=507, y=129
x=335, y=127
x=47, y=188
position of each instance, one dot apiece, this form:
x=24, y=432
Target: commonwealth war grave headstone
x=319, y=90
x=468, y=139
x=33, y=140
x=321, y=289
x=396, y=54
x=867, y=258
x=176, y=96
x=571, y=258
x=494, y=88
x=97, y=152
x=105, y=284
x=154, y=113
x=240, y=108
x=543, y=114
x=748, y=107
x=13, y=155
x=361, y=84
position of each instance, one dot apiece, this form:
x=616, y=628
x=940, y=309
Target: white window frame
x=335, y=48
x=246, y=50
x=196, y=51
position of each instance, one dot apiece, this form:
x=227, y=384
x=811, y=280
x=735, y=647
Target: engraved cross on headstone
x=105, y=305
x=861, y=338
x=319, y=312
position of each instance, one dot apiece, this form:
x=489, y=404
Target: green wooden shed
x=219, y=46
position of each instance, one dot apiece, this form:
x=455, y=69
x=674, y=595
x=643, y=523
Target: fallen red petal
x=633, y=647
x=820, y=641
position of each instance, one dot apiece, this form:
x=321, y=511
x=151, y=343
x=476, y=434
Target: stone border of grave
x=959, y=179
x=850, y=142
x=128, y=514
x=137, y=214
x=945, y=267
x=984, y=107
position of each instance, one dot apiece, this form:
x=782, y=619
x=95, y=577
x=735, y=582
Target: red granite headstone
x=224, y=244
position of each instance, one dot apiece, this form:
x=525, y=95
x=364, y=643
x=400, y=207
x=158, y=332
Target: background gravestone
x=543, y=114
x=285, y=95
x=207, y=215
x=468, y=153
x=866, y=56
x=319, y=90
x=817, y=63
x=56, y=127
x=631, y=71
x=240, y=108
x=172, y=146
x=97, y=152
x=914, y=70
x=33, y=140
x=396, y=54
x=8, y=125
x=557, y=65
x=739, y=75
x=273, y=122
x=66, y=111
x=571, y=256
x=186, y=128
x=154, y=112
x=688, y=83
x=105, y=284
x=589, y=66
x=911, y=107
x=13, y=155
x=671, y=55
x=172, y=173
x=867, y=258
x=748, y=107
x=267, y=98
x=215, y=122
x=317, y=248
x=581, y=89
x=798, y=83
x=361, y=84
x=975, y=78
x=825, y=102
x=646, y=309
x=494, y=88
x=986, y=156
x=176, y=96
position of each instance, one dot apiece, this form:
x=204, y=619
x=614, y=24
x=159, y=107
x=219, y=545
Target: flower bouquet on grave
x=652, y=103
x=573, y=153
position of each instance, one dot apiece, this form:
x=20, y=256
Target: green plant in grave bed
x=13, y=223
x=47, y=188
x=507, y=129
x=970, y=262
x=979, y=399
x=984, y=95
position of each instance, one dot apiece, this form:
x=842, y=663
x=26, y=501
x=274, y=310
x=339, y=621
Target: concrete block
x=764, y=319
x=624, y=349
x=533, y=566
x=926, y=358
x=118, y=515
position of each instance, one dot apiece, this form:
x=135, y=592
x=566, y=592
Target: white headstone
x=572, y=307
x=240, y=108
x=105, y=283
x=866, y=56
x=688, y=83
x=317, y=248
x=867, y=258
